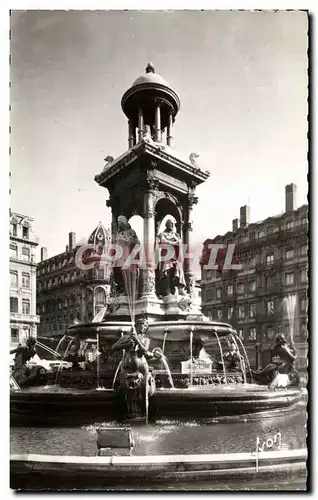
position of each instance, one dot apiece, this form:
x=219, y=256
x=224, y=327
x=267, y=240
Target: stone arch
x=137, y=224
x=167, y=206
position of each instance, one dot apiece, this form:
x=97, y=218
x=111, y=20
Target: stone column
x=187, y=231
x=148, y=273
x=158, y=122
x=131, y=141
x=140, y=124
x=169, y=130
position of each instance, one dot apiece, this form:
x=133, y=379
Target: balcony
x=25, y=318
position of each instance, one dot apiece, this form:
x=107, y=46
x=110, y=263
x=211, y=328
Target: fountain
x=147, y=346
x=290, y=304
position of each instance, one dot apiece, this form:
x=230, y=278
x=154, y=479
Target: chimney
x=244, y=216
x=71, y=240
x=235, y=225
x=290, y=197
x=43, y=254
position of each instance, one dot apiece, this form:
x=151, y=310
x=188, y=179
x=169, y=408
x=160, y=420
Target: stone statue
x=281, y=371
x=170, y=272
x=108, y=160
x=127, y=239
x=192, y=158
x=134, y=370
x=147, y=137
x=22, y=374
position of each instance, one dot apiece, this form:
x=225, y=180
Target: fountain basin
x=47, y=407
x=284, y=469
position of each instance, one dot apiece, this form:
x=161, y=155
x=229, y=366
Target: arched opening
x=137, y=224
x=166, y=209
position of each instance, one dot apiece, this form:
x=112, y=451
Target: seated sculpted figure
x=282, y=363
x=126, y=239
x=170, y=272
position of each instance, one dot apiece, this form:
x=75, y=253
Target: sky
x=242, y=81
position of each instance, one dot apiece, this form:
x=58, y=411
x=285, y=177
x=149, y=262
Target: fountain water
x=221, y=353
x=290, y=304
x=166, y=365
x=191, y=357
x=246, y=357
x=241, y=359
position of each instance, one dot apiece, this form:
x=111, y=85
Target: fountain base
x=84, y=407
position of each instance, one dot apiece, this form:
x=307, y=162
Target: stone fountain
x=154, y=351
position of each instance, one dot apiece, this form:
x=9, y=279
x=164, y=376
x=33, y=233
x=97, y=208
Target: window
x=240, y=289
x=252, y=334
x=25, y=232
x=218, y=293
x=26, y=280
x=14, y=304
x=303, y=250
x=26, y=254
x=268, y=282
x=25, y=306
x=252, y=310
x=270, y=229
x=230, y=290
x=270, y=259
x=241, y=312
x=303, y=275
x=289, y=254
x=289, y=278
x=13, y=229
x=252, y=286
x=289, y=224
x=270, y=307
x=100, y=273
x=220, y=314
x=14, y=278
x=13, y=251
x=241, y=334
x=14, y=335
x=261, y=234
x=230, y=312
x=270, y=332
x=304, y=221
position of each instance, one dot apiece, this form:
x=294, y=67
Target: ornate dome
x=145, y=93
x=150, y=77
x=99, y=236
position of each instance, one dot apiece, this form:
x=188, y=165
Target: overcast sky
x=242, y=81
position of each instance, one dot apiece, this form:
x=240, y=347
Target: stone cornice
x=156, y=151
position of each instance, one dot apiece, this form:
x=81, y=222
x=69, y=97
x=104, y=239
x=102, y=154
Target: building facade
x=269, y=294
x=66, y=293
x=23, y=242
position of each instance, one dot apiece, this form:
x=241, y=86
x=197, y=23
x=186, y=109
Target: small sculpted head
x=122, y=222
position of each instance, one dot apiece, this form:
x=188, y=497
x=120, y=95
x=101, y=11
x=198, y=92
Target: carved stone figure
x=170, y=272
x=135, y=381
x=192, y=158
x=281, y=371
x=108, y=160
x=126, y=239
x=22, y=374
